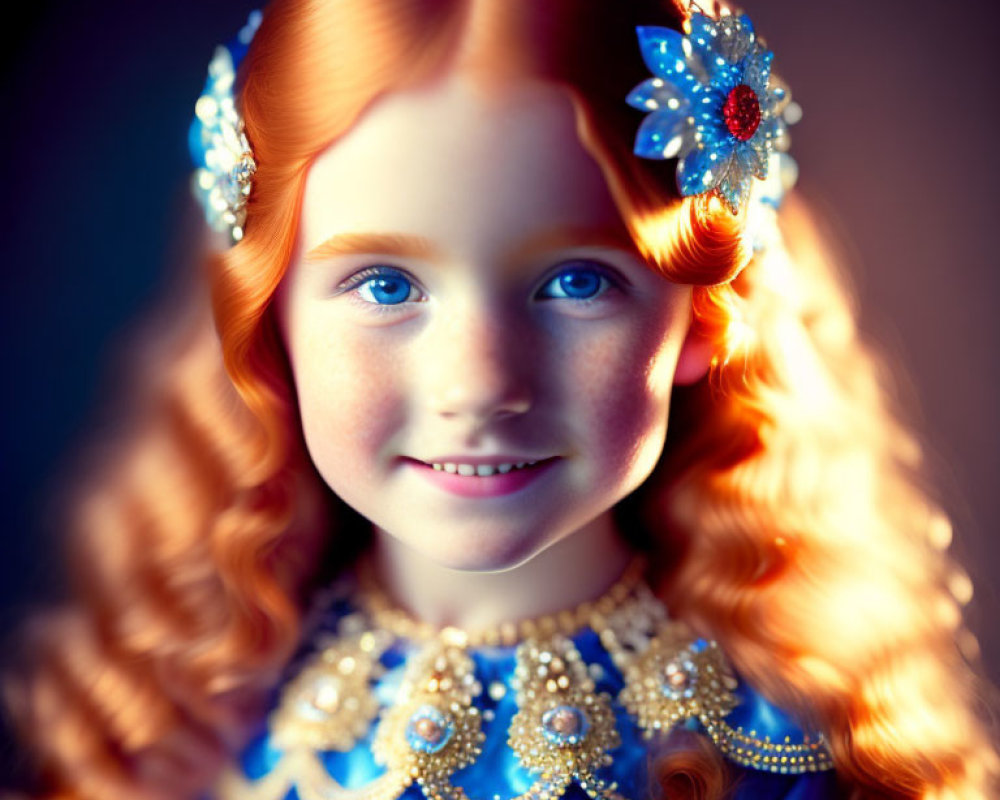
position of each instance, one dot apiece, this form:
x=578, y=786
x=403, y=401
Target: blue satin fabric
x=496, y=773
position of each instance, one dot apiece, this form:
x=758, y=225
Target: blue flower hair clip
x=714, y=106
x=219, y=148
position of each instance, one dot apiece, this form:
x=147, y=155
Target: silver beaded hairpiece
x=222, y=155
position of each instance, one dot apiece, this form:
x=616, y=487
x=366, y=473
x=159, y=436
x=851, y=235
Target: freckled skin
x=481, y=363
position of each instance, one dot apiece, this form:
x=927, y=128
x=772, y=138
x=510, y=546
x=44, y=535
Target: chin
x=488, y=556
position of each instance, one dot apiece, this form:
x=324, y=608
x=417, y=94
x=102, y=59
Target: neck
x=578, y=568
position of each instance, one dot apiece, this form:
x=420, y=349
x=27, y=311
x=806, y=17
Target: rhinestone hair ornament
x=222, y=155
x=715, y=106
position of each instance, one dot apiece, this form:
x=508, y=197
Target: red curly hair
x=785, y=502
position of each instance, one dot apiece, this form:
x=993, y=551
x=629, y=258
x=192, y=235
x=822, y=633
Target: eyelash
x=359, y=280
x=355, y=283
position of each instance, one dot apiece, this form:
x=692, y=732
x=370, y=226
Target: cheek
x=623, y=385
x=351, y=400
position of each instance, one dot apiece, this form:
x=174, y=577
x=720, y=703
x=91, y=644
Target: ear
x=694, y=359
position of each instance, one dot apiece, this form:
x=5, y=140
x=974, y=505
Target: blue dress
x=576, y=705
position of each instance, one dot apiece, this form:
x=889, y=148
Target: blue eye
x=581, y=281
x=385, y=287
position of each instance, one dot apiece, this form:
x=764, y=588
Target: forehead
x=466, y=165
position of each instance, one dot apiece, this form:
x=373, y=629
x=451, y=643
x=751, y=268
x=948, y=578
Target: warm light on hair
x=785, y=514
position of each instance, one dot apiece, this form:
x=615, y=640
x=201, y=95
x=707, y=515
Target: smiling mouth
x=482, y=480
x=483, y=470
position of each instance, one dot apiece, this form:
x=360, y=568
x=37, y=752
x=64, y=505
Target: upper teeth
x=481, y=470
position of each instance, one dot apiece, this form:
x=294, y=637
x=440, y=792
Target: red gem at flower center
x=742, y=112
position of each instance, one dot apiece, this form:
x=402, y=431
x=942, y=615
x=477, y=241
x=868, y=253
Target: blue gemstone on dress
x=564, y=726
x=429, y=730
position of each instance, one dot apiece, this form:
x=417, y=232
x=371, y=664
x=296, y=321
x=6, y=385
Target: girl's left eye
x=384, y=286
x=578, y=280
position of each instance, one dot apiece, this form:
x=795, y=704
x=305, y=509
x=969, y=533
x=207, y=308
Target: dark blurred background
x=897, y=149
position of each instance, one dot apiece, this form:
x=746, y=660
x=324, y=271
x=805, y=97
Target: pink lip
x=494, y=485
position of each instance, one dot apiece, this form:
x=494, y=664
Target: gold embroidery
x=670, y=676
x=786, y=756
x=329, y=705
x=564, y=730
x=433, y=730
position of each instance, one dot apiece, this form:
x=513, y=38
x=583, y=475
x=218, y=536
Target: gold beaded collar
x=383, y=688
x=592, y=613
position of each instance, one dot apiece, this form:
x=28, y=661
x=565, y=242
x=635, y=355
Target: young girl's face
x=466, y=298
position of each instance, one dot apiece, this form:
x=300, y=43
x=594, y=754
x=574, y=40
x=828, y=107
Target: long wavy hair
x=786, y=500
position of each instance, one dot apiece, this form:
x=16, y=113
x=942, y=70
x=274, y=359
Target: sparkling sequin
x=741, y=111
x=497, y=690
x=712, y=105
x=218, y=144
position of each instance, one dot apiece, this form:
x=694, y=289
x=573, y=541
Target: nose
x=479, y=367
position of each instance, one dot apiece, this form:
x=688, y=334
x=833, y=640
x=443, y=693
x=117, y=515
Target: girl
x=404, y=512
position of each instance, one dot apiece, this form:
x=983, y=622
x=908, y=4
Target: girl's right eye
x=383, y=286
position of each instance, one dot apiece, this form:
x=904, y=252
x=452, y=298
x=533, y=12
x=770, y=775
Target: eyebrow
x=390, y=244
x=409, y=246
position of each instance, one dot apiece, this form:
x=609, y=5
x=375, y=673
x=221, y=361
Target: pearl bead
x=564, y=721
x=428, y=730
